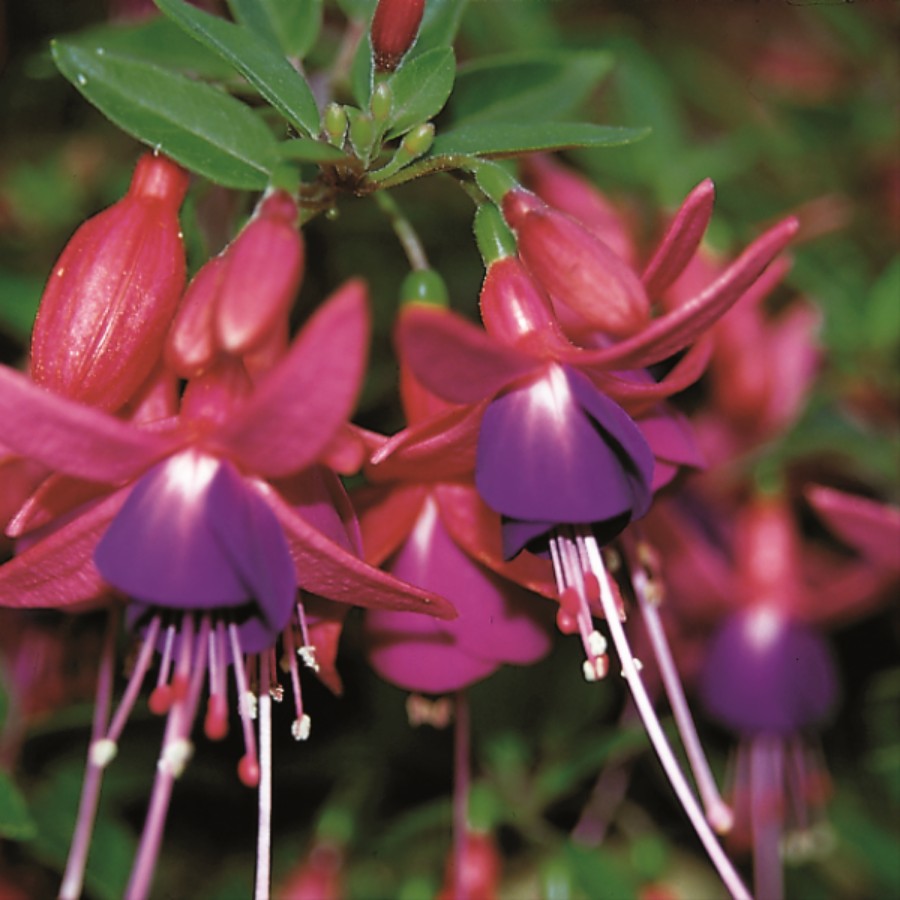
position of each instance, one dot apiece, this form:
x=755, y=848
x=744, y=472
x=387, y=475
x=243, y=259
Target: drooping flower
x=209, y=521
x=560, y=450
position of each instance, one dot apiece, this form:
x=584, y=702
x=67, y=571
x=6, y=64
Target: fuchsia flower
x=768, y=674
x=209, y=521
x=440, y=536
x=565, y=435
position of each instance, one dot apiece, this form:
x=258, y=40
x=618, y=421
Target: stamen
x=161, y=697
x=215, y=724
x=248, y=767
x=175, y=756
x=723, y=865
x=102, y=752
x=649, y=594
x=73, y=877
x=300, y=725
x=264, y=831
x=129, y=698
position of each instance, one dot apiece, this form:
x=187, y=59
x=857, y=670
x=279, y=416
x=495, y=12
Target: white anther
x=638, y=667
x=175, y=757
x=590, y=671
x=103, y=751
x=596, y=643
x=248, y=705
x=308, y=655
x=276, y=692
x=300, y=728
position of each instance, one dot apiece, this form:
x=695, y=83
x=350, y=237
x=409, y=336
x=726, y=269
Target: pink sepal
x=681, y=240
x=58, y=570
x=475, y=528
x=454, y=358
x=672, y=332
x=297, y=408
x=56, y=496
x=387, y=514
x=72, y=438
x=439, y=449
x=326, y=569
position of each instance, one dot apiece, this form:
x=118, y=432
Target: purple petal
x=764, y=674
x=557, y=450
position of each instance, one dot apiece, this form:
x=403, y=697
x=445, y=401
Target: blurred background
x=791, y=108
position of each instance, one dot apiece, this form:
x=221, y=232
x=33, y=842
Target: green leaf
x=439, y=25
x=420, y=89
x=271, y=74
x=510, y=139
x=197, y=125
x=20, y=302
x=15, y=821
x=362, y=72
x=518, y=87
x=308, y=150
x=882, y=315
x=296, y=24
x=156, y=41
x=253, y=14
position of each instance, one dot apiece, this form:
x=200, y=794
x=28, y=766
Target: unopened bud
x=578, y=270
x=335, y=121
x=113, y=292
x=418, y=141
x=424, y=286
x=362, y=134
x=382, y=102
x=394, y=29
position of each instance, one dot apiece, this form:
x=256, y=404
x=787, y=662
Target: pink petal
x=326, y=569
x=681, y=240
x=78, y=440
x=326, y=622
x=675, y=330
x=639, y=396
x=58, y=495
x=58, y=571
x=455, y=359
x=476, y=529
x=387, y=513
x=439, y=449
x=295, y=411
x=870, y=527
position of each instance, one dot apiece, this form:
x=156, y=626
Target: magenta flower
x=768, y=674
x=210, y=522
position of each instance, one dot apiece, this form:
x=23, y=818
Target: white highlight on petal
x=763, y=626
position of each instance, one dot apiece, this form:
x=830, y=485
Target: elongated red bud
x=578, y=270
x=394, y=28
x=113, y=292
x=480, y=870
x=239, y=301
x=265, y=268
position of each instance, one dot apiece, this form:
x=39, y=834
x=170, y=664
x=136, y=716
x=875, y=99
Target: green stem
x=404, y=230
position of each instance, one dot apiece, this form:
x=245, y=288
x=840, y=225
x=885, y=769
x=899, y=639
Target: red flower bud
x=239, y=301
x=394, y=28
x=578, y=270
x=516, y=311
x=105, y=311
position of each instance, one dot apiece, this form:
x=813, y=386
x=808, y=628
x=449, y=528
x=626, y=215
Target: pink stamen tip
x=248, y=771
x=591, y=587
x=180, y=685
x=570, y=602
x=215, y=725
x=160, y=701
x=566, y=622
